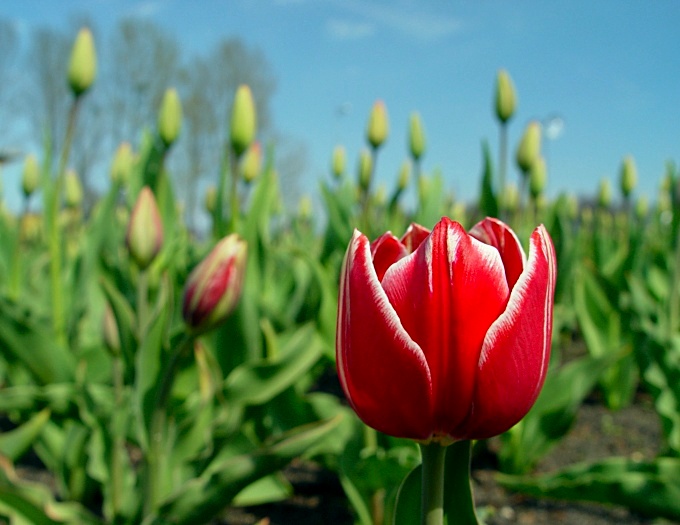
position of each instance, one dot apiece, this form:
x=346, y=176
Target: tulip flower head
x=144, y=237
x=214, y=287
x=445, y=335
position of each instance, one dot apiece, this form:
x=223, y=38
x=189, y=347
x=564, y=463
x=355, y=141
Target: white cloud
x=147, y=8
x=349, y=30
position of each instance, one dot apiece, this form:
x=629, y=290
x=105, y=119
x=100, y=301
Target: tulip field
x=515, y=359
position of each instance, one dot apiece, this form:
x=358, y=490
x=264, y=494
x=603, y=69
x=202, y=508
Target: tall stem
x=502, y=165
x=235, y=201
x=432, y=496
x=117, y=429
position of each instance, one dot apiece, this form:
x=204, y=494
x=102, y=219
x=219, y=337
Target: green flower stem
x=502, y=166
x=142, y=303
x=432, y=496
x=156, y=474
x=117, y=431
x=235, y=201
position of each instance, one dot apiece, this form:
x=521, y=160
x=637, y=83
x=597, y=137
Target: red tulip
x=445, y=335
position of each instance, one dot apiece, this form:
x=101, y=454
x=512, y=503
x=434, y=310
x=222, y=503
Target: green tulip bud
x=30, y=227
x=30, y=176
x=628, y=176
x=170, y=117
x=506, y=99
x=416, y=136
x=338, y=162
x=404, y=175
x=82, y=68
x=73, y=189
x=642, y=208
x=378, y=125
x=604, y=195
x=529, y=147
x=121, y=167
x=538, y=177
x=252, y=162
x=211, y=199
x=305, y=207
x=243, y=120
x=110, y=331
x=144, y=236
x=365, y=169
x=213, y=288
x=510, y=198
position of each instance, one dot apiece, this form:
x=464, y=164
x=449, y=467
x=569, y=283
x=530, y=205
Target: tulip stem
x=432, y=496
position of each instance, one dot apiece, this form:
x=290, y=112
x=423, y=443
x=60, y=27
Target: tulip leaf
x=488, y=203
x=265, y=490
x=14, y=443
x=649, y=488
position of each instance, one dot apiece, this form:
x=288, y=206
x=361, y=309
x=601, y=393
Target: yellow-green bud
x=73, y=190
x=30, y=176
x=121, y=167
x=641, y=208
x=604, y=195
x=144, y=236
x=378, y=125
x=305, y=207
x=538, y=177
x=110, y=331
x=30, y=225
x=628, y=176
x=416, y=136
x=170, y=117
x=529, y=147
x=213, y=288
x=365, y=169
x=506, y=99
x=82, y=68
x=404, y=175
x=211, y=199
x=510, y=198
x=380, y=196
x=339, y=161
x=243, y=120
x=252, y=162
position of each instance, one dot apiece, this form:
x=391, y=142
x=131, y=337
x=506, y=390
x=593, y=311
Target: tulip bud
x=121, y=167
x=170, y=117
x=378, y=125
x=73, y=190
x=82, y=67
x=252, y=162
x=628, y=176
x=529, y=147
x=213, y=288
x=30, y=177
x=338, y=162
x=404, y=175
x=642, y=208
x=305, y=207
x=506, y=100
x=538, y=177
x=416, y=136
x=211, y=199
x=30, y=227
x=144, y=236
x=510, y=198
x=243, y=120
x=365, y=169
x=604, y=195
x=110, y=331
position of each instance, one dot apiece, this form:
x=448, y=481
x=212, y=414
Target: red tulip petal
x=447, y=294
x=516, y=352
x=385, y=251
x=382, y=371
x=414, y=236
x=496, y=233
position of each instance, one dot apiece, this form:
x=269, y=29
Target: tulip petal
x=382, y=370
x=447, y=294
x=385, y=251
x=516, y=352
x=414, y=236
x=497, y=234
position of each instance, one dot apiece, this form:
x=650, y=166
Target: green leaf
x=16, y=442
x=265, y=490
x=649, y=488
x=488, y=203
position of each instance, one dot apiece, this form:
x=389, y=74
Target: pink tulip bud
x=214, y=286
x=145, y=229
x=445, y=335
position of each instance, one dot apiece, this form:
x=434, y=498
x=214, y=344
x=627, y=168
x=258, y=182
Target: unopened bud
x=110, y=331
x=529, y=147
x=416, y=136
x=365, y=169
x=82, y=68
x=628, y=176
x=121, y=167
x=339, y=161
x=170, y=117
x=538, y=177
x=305, y=207
x=213, y=288
x=506, y=99
x=73, y=189
x=252, y=162
x=641, y=208
x=30, y=176
x=510, y=198
x=144, y=236
x=378, y=125
x=211, y=199
x=404, y=175
x=604, y=195
x=243, y=120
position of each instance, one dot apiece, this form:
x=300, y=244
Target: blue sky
x=610, y=69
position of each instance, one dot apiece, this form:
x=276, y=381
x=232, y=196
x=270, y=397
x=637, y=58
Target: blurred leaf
x=488, y=203
x=265, y=490
x=651, y=489
x=14, y=443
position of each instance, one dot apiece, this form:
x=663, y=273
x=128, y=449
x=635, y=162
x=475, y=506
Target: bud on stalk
x=252, y=163
x=82, y=68
x=416, y=136
x=243, y=120
x=30, y=176
x=144, y=236
x=529, y=147
x=338, y=162
x=73, y=189
x=538, y=178
x=378, y=125
x=122, y=164
x=365, y=169
x=214, y=287
x=506, y=99
x=170, y=117
x=628, y=176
